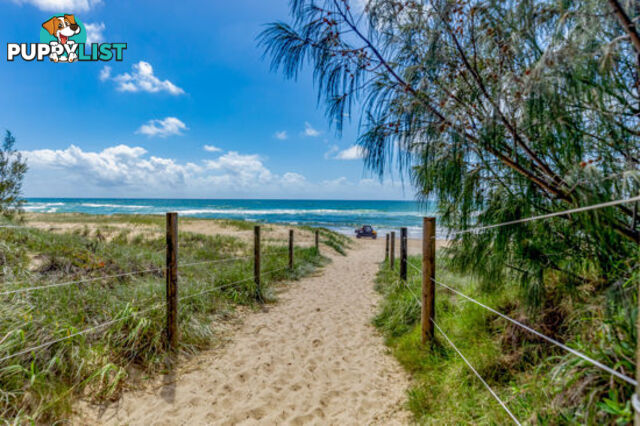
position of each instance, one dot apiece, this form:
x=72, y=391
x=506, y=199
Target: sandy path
x=313, y=358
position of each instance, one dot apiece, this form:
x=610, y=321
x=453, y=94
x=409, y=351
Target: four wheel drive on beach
x=366, y=231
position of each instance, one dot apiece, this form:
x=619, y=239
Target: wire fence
x=170, y=272
x=466, y=361
x=547, y=216
x=428, y=272
x=82, y=281
x=117, y=320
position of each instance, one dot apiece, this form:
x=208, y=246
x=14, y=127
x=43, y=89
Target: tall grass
x=40, y=386
x=539, y=382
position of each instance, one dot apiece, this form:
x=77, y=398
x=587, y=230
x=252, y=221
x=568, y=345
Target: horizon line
x=218, y=199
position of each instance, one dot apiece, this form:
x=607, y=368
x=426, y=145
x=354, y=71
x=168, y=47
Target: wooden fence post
x=256, y=261
x=291, y=249
x=428, y=277
x=403, y=253
x=172, y=280
x=317, y=241
x=386, y=248
x=392, y=251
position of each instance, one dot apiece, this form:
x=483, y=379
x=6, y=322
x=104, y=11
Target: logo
x=63, y=38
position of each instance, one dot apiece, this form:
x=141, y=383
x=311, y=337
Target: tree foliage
x=499, y=110
x=12, y=171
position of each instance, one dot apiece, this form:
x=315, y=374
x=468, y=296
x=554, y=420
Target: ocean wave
x=42, y=207
x=114, y=206
x=293, y=212
x=43, y=204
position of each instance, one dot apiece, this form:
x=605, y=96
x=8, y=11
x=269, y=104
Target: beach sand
x=312, y=358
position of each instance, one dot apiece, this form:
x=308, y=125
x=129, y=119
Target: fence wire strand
x=495, y=395
x=79, y=333
x=220, y=287
x=537, y=333
x=67, y=283
x=547, y=338
x=114, y=321
x=204, y=262
x=549, y=215
x=413, y=266
x=412, y=292
x=125, y=274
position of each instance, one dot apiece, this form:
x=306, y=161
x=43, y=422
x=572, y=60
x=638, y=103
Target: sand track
x=313, y=358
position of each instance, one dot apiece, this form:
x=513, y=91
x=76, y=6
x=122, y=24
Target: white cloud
x=330, y=153
x=291, y=178
x=120, y=165
x=130, y=171
x=105, y=73
x=341, y=181
x=281, y=135
x=239, y=168
x=354, y=152
x=95, y=32
x=125, y=168
x=61, y=5
x=162, y=128
x=142, y=79
x=211, y=148
x=310, y=131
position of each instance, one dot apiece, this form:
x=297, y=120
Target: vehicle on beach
x=366, y=232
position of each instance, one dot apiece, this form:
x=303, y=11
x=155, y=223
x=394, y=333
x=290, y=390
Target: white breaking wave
x=297, y=212
x=122, y=206
x=42, y=207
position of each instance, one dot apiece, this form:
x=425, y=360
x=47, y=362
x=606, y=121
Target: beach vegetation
x=539, y=382
x=121, y=283
x=12, y=170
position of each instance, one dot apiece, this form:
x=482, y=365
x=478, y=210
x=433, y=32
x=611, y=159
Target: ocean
x=340, y=215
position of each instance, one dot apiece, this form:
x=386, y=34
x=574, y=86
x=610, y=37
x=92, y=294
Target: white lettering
x=43, y=50
x=13, y=49
x=70, y=48
x=30, y=54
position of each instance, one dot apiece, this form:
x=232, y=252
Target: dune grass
x=336, y=241
x=540, y=383
x=39, y=386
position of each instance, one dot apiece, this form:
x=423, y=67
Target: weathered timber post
x=291, y=249
x=256, y=261
x=392, y=251
x=386, y=248
x=428, y=277
x=317, y=241
x=403, y=253
x=172, y=280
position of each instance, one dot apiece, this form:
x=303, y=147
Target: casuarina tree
x=499, y=110
x=12, y=171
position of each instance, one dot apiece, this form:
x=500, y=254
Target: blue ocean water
x=339, y=215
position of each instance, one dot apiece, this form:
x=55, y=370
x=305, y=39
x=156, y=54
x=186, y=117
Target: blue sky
x=192, y=111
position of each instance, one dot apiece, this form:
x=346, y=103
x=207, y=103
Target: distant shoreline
x=41, y=218
x=342, y=216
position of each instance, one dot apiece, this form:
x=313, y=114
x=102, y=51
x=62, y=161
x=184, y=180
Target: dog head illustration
x=62, y=27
